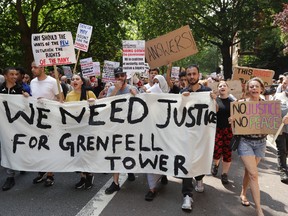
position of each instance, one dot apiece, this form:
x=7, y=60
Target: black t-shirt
x=223, y=112
x=175, y=90
x=201, y=89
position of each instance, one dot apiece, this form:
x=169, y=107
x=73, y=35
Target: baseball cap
x=118, y=70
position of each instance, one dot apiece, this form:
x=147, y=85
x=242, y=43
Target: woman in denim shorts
x=251, y=149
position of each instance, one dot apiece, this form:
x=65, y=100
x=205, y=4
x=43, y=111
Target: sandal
x=244, y=202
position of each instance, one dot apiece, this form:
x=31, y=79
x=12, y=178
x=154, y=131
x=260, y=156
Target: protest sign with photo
x=245, y=73
x=83, y=36
x=108, y=71
x=170, y=47
x=67, y=71
x=87, y=67
x=175, y=72
x=96, y=69
x=53, y=48
x=256, y=117
x=150, y=133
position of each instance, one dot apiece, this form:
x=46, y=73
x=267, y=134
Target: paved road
x=26, y=199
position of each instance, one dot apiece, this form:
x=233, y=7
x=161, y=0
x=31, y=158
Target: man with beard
x=193, y=74
x=120, y=87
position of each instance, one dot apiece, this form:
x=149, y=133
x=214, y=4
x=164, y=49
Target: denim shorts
x=248, y=147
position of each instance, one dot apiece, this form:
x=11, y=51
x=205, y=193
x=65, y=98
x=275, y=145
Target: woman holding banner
x=251, y=150
x=80, y=93
x=223, y=133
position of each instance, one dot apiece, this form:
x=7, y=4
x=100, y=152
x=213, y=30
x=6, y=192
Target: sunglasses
x=120, y=75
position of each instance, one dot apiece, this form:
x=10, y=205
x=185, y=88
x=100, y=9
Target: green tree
x=212, y=21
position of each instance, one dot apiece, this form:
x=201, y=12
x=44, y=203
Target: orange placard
x=245, y=73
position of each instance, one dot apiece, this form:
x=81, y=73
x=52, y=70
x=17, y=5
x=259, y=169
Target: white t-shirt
x=45, y=88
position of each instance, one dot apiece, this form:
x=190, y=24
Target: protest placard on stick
x=170, y=47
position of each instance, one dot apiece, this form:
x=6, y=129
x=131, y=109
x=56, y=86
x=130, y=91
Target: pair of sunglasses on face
x=120, y=75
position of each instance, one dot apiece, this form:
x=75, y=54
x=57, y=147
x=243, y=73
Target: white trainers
x=199, y=186
x=187, y=203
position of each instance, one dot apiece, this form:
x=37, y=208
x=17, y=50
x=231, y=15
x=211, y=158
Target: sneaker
x=224, y=178
x=150, y=195
x=164, y=180
x=214, y=170
x=9, y=183
x=199, y=186
x=113, y=187
x=81, y=183
x=89, y=181
x=131, y=177
x=283, y=176
x=187, y=203
x=41, y=176
x=49, y=181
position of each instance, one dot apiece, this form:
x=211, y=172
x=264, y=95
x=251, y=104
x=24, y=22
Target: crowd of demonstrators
x=251, y=149
x=10, y=86
x=120, y=87
x=79, y=93
x=223, y=133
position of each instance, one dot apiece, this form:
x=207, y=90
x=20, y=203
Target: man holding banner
x=43, y=86
x=193, y=75
x=120, y=87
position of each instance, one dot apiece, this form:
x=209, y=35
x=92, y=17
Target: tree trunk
x=227, y=61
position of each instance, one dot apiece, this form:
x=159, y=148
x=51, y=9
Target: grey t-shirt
x=126, y=90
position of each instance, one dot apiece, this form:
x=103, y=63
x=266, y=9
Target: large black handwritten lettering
x=29, y=120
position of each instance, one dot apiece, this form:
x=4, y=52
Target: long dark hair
x=83, y=95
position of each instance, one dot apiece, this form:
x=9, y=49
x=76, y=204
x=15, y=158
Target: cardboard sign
x=244, y=74
x=83, y=36
x=138, y=134
x=53, y=48
x=170, y=47
x=235, y=87
x=133, y=56
x=256, y=117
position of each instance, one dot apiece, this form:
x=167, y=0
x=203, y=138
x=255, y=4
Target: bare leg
x=251, y=178
x=225, y=167
x=116, y=178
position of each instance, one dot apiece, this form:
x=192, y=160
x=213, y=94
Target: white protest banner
x=67, y=71
x=170, y=47
x=256, y=117
x=96, y=68
x=108, y=71
x=245, y=73
x=83, y=36
x=150, y=133
x=87, y=67
x=133, y=56
x=53, y=48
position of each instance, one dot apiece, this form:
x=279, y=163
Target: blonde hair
x=257, y=79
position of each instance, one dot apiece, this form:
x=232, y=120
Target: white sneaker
x=199, y=186
x=187, y=203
